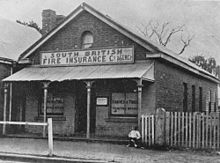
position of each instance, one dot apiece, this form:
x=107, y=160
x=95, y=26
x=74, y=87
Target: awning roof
x=144, y=70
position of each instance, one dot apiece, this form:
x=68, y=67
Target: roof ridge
x=146, y=43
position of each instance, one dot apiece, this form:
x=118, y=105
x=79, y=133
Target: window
x=87, y=40
x=124, y=104
x=55, y=105
x=193, y=98
x=210, y=101
x=200, y=99
x=55, y=100
x=124, y=100
x=185, y=97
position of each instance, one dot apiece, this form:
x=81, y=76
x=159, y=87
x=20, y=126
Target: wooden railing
x=49, y=127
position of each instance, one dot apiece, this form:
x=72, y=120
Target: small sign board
x=101, y=101
x=88, y=57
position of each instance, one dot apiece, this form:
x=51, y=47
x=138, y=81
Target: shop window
x=87, y=40
x=124, y=100
x=55, y=105
x=124, y=104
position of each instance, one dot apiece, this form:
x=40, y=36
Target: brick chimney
x=50, y=20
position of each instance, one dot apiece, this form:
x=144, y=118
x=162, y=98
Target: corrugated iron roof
x=137, y=70
x=134, y=35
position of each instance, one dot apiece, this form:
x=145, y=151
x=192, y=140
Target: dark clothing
x=134, y=142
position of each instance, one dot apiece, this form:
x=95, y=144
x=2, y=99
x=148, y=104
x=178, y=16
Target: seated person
x=134, y=137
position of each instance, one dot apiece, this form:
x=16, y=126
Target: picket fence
x=182, y=129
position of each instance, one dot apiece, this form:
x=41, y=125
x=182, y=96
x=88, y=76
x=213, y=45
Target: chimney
x=59, y=19
x=48, y=20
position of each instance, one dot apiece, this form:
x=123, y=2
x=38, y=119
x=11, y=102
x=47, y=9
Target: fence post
x=160, y=126
x=50, y=136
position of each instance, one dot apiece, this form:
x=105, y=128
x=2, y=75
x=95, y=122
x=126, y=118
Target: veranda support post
x=45, y=87
x=5, y=107
x=88, y=86
x=139, y=95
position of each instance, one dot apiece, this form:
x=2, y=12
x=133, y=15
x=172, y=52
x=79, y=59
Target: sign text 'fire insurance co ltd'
x=86, y=57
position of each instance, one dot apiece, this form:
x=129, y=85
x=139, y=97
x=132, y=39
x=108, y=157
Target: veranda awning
x=144, y=70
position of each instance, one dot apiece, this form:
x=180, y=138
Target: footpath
x=36, y=150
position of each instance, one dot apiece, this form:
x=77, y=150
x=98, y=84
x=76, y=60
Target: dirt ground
x=106, y=151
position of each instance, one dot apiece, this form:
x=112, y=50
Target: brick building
x=94, y=76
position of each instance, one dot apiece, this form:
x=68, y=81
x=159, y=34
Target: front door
x=81, y=97
x=81, y=109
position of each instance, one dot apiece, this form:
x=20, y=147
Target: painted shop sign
x=124, y=104
x=85, y=57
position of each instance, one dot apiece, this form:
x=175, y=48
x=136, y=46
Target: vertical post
x=50, y=136
x=88, y=86
x=10, y=97
x=139, y=86
x=45, y=87
x=160, y=126
x=5, y=107
x=10, y=101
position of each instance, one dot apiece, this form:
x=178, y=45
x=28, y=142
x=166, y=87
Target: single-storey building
x=93, y=76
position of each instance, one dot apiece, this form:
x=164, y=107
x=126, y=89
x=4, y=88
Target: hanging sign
x=88, y=57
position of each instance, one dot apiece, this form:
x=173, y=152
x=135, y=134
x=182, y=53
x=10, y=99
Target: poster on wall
x=124, y=104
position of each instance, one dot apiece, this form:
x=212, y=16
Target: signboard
x=101, y=101
x=88, y=57
x=124, y=104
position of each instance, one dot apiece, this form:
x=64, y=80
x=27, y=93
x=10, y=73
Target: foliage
x=208, y=64
x=31, y=24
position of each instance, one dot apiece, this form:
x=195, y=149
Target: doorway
x=81, y=109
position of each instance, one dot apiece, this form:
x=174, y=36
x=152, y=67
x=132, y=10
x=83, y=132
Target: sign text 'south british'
x=81, y=57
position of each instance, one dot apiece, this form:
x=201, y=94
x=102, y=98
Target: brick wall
x=69, y=37
x=169, y=81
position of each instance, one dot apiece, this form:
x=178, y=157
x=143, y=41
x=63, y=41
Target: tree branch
x=185, y=43
x=172, y=32
x=31, y=24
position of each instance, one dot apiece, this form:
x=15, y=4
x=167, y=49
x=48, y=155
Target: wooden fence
x=182, y=129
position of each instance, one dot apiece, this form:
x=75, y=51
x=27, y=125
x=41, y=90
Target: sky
x=201, y=18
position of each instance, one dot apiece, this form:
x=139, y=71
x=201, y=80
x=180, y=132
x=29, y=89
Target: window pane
x=124, y=104
x=87, y=40
x=55, y=105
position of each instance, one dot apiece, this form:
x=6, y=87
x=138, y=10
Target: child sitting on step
x=134, y=137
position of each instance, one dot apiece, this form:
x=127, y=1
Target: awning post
x=10, y=97
x=10, y=101
x=139, y=91
x=88, y=86
x=5, y=107
x=45, y=87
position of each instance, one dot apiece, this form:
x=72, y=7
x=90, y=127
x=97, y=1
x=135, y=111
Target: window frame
x=53, y=95
x=123, y=115
x=86, y=44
